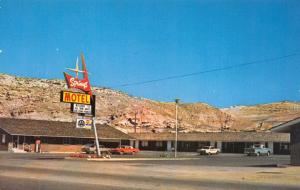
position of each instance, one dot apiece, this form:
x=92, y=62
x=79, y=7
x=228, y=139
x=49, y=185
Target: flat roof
x=215, y=136
x=287, y=126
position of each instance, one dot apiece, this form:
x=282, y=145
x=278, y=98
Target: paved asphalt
x=229, y=160
x=51, y=171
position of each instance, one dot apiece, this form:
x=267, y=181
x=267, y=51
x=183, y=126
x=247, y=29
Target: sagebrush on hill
x=40, y=99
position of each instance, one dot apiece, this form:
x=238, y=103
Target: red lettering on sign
x=83, y=99
x=67, y=97
x=73, y=97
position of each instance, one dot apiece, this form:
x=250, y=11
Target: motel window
x=44, y=140
x=75, y=141
x=284, y=146
x=144, y=143
x=159, y=143
x=55, y=140
x=3, y=138
x=66, y=140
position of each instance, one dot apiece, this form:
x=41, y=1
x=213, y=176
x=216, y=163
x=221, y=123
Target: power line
x=209, y=71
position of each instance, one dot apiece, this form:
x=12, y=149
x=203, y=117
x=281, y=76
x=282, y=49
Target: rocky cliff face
x=40, y=99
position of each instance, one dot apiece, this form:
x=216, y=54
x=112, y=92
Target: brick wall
x=61, y=148
x=58, y=148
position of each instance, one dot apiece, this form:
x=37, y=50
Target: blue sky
x=136, y=40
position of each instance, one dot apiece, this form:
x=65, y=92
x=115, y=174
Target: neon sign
x=75, y=82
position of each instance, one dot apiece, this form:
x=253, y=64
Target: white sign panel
x=84, y=123
x=82, y=108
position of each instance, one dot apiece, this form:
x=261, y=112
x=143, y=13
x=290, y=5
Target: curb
x=128, y=159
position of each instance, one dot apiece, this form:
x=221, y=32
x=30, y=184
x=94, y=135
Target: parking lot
x=148, y=170
x=184, y=158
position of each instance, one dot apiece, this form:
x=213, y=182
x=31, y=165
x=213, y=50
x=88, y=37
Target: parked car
x=208, y=150
x=91, y=149
x=124, y=150
x=257, y=150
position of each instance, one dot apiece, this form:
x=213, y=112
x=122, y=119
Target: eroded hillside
x=40, y=99
x=266, y=115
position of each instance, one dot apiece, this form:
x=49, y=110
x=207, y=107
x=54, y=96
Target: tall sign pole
x=84, y=104
x=96, y=137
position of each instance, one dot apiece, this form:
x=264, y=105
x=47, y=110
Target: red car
x=124, y=150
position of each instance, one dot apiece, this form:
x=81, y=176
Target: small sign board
x=84, y=109
x=81, y=108
x=75, y=97
x=84, y=123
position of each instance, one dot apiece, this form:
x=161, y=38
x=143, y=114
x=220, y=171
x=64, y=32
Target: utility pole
x=135, y=123
x=176, y=126
x=141, y=118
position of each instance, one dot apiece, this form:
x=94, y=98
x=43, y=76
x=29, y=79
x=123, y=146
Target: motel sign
x=74, y=97
x=81, y=103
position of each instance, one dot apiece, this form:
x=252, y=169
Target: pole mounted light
x=176, y=125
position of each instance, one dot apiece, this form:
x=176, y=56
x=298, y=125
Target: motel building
x=55, y=136
x=293, y=128
x=227, y=142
